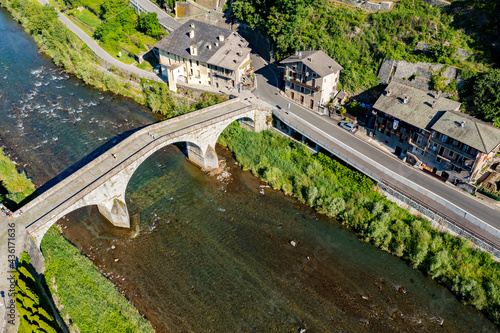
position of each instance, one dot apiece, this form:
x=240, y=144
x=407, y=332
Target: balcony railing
x=418, y=145
x=454, y=162
x=453, y=148
x=305, y=85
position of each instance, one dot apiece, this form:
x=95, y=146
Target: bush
x=333, y=189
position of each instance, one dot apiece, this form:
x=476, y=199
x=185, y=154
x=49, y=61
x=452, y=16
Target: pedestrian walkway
x=100, y=52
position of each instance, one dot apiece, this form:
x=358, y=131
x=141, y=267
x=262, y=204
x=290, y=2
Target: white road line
x=388, y=171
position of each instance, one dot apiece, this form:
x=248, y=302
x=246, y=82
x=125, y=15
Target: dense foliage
x=487, y=96
x=350, y=197
x=357, y=40
x=92, y=302
x=75, y=57
x=31, y=303
x=161, y=100
x=16, y=185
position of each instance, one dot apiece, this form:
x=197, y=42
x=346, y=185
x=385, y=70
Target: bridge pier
x=116, y=213
x=207, y=160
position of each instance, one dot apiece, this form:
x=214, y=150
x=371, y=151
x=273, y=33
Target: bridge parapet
x=104, y=180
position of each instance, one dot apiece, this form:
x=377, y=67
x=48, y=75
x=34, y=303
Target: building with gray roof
x=311, y=78
x=209, y=55
x=429, y=127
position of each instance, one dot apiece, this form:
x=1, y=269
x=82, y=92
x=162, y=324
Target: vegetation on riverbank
x=91, y=301
x=351, y=198
x=70, y=53
x=359, y=40
x=34, y=309
x=16, y=185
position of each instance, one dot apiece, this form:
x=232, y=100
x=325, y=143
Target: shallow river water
x=208, y=254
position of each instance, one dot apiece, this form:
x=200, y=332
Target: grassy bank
x=353, y=200
x=15, y=186
x=91, y=301
x=33, y=306
x=70, y=53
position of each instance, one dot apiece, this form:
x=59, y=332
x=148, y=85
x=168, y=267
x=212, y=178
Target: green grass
x=17, y=184
x=88, y=18
x=351, y=198
x=92, y=302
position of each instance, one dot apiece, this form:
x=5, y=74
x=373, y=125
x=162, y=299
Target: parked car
x=348, y=126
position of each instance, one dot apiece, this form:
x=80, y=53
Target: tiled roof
x=228, y=53
x=475, y=133
x=422, y=109
x=318, y=61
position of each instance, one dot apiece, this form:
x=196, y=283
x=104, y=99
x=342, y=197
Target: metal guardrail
x=440, y=218
x=324, y=145
x=450, y=223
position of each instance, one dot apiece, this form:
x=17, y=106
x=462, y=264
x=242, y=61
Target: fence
x=451, y=224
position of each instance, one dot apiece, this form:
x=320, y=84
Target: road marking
x=388, y=171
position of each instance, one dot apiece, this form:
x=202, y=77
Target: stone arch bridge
x=103, y=181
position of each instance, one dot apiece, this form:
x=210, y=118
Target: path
x=100, y=52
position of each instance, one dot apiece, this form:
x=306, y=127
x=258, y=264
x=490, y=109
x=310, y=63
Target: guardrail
x=440, y=218
x=454, y=225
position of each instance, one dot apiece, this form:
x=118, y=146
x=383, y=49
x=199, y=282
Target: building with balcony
x=311, y=79
x=429, y=129
x=198, y=53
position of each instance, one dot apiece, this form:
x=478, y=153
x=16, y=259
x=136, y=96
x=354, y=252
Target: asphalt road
x=99, y=51
x=267, y=90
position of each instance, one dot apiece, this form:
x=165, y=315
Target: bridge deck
x=71, y=189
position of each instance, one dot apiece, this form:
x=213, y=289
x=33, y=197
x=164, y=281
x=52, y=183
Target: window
x=444, y=138
x=197, y=63
x=190, y=62
x=293, y=86
x=451, y=154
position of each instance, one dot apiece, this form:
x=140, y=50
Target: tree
x=487, y=95
x=148, y=23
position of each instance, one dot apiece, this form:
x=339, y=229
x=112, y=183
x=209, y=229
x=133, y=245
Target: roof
x=229, y=53
x=475, y=133
x=422, y=109
x=318, y=61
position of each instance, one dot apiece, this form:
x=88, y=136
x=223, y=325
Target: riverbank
x=333, y=189
x=87, y=301
x=69, y=52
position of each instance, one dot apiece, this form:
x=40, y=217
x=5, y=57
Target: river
x=208, y=254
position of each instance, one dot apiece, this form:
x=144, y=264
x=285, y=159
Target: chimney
x=192, y=25
x=388, y=92
x=437, y=94
x=310, y=59
x=434, y=103
x=300, y=55
x=191, y=34
x=209, y=46
x=405, y=100
x=463, y=124
x=193, y=50
x=216, y=44
x=221, y=38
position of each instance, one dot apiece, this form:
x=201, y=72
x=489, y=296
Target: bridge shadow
x=78, y=165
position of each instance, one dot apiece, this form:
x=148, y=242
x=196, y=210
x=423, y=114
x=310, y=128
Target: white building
x=203, y=54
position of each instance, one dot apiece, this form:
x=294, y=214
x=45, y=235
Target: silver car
x=348, y=126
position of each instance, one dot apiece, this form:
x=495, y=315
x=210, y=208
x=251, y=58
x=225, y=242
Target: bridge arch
x=103, y=182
